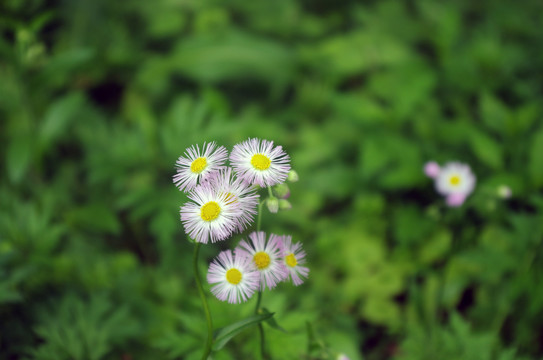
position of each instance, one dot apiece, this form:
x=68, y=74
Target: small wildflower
x=431, y=169
x=210, y=215
x=342, y=357
x=235, y=277
x=266, y=256
x=196, y=165
x=237, y=191
x=455, y=181
x=293, y=257
x=259, y=162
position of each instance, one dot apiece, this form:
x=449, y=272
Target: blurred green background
x=99, y=98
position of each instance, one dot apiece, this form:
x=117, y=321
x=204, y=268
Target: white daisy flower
x=455, y=178
x=211, y=215
x=266, y=256
x=195, y=165
x=235, y=277
x=239, y=192
x=293, y=257
x=258, y=162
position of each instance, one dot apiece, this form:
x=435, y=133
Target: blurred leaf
x=403, y=165
x=457, y=341
x=493, y=112
x=271, y=321
x=18, y=157
x=436, y=247
x=359, y=107
x=232, y=55
x=411, y=226
x=486, y=149
x=535, y=165
x=356, y=52
x=77, y=329
x=59, y=116
x=96, y=216
x=382, y=311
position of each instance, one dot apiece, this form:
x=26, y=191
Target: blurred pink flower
x=431, y=169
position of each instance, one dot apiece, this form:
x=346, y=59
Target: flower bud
x=284, y=204
x=282, y=191
x=273, y=204
x=504, y=192
x=292, y=176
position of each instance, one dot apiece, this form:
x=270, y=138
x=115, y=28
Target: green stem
x=263, y=354
x=259, y=217
x=270, y=192
x=209, y=341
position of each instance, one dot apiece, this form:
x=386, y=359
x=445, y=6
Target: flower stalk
x=209, y=340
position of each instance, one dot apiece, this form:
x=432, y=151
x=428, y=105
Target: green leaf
x=96, y=216
x=486, y=149
x=313, y=341
x=535, y=164
x=271, y=321
x=18, y=157
x=223, y=336
x=58, y=117
x=383, y=311
x=493, y=112
x=232, y=55
x=436, y=247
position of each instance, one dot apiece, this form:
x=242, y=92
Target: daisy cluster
x=223, y=201
x=256, y=264
x=454, y=181
x=223, y=198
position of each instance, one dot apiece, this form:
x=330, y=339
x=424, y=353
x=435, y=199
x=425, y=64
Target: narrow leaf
x=228, y=332
x=271, y=321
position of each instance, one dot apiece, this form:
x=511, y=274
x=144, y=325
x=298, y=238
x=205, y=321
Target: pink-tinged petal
x=431, y=169
x=456, y=199
x=275, y=271
x=278, y=166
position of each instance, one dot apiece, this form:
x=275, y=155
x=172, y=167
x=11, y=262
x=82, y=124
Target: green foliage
x=99, y=98
x=78, y=329
x=457, y=341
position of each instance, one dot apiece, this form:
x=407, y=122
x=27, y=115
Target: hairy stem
x=263, y=354
x=209, y=341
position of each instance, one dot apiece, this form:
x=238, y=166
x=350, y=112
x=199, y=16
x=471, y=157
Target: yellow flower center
x=233, y=276
x=291, y=260
x=262, y=260
x=210, y=211
x=198, y=165
x=454, y=180
x=260, y=162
